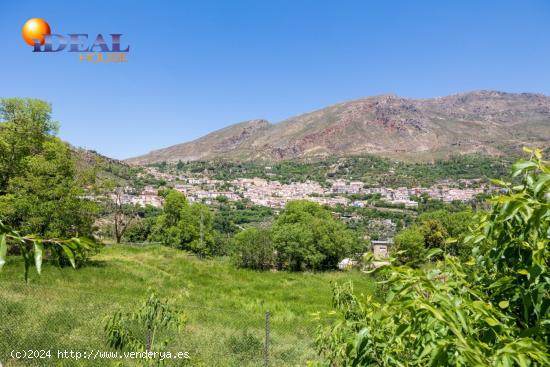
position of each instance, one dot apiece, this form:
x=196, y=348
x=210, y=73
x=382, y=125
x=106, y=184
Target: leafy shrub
x=253, y=248
x=140, y=330
x=185, y=226
x=408, y=246
x=307, y=236
x=140, y=230
x=456, y=226
x=490, y=311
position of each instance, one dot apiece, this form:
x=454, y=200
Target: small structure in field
x=381, y=248
x=347, y=264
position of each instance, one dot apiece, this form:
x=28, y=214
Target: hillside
x=90, y=163
x=487, y=122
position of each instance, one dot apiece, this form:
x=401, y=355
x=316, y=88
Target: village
x=276, y=195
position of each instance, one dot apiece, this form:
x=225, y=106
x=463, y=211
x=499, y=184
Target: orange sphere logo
x=35, y=29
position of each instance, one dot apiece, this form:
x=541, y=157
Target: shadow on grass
x=79, y=265
x=93, y=264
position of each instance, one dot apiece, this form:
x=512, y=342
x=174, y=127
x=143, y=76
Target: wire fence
x=61, y=326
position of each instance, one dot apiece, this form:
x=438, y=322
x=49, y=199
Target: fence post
x=266, y=344
x=148, y=343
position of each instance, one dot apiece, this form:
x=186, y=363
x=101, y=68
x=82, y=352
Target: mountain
x=488, y=122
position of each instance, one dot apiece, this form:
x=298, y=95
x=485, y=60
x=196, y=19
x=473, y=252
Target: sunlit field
x=65, y=309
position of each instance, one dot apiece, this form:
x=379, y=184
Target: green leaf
x=85, y=243
x=433, y=252
x=69, y=254
x=522, y=165
x=491, y=321
x=38, y=250
x=437, y=357
x=500, y=183
x=543, y=179
x=451, y=241
x=3, y=250
x=401, y=329
x=27, y=259
x=503, y=304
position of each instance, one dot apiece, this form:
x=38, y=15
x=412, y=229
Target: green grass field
x=65, y=309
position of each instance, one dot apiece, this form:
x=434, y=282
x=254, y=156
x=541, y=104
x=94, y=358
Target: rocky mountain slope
x=487, y=122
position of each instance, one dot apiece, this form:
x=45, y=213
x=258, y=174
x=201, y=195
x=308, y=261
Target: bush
x=456, y=226
x=140, y=230
x=221, y=245
x=184, y=226
x=493, y=310
x=253, y=249
x=411, y=244
x=408, y=246
x=307, y=237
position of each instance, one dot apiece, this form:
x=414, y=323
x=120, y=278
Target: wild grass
x=65, y=309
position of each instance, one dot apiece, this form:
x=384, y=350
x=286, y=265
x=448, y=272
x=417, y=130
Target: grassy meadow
x=65, y=309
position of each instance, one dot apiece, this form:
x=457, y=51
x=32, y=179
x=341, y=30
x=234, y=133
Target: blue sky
x=196, y=66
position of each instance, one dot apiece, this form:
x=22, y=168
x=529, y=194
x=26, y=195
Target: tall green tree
x=184, y=226
x=174, y=204
x=408, y=246
x=25, y=124
x=166, y=227
x=307, y=236
x=40, y=190
x=195, y=226
x=438, y=229
x=434, y=234
x=456, y=225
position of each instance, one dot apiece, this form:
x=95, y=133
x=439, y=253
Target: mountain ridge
x=488, y=122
